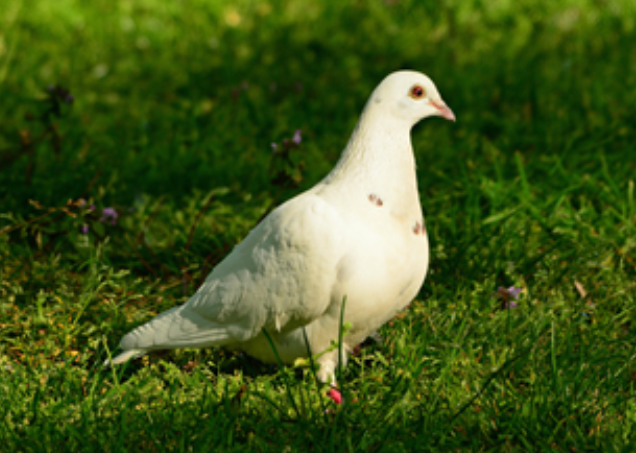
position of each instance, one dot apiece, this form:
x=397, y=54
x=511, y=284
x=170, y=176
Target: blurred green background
x=182, y=95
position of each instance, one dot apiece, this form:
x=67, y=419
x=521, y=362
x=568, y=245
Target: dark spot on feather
x=373, y=198
x=419, y=227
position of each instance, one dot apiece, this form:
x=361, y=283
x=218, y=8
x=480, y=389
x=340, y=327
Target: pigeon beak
x=443, y=109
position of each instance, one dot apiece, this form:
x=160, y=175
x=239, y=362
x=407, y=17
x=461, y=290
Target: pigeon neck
x=379, y=153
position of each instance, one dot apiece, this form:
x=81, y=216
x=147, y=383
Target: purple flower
x=508, y=296
x=514, y=292
x=297, y=138
x=60, y=93
x=110, y=215
x=84, y=229
x=288, y=144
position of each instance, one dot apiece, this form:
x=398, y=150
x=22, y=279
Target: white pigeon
x=357, y=235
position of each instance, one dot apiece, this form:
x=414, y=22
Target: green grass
x=176, y=104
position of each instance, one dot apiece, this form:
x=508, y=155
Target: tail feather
x=125, y=357
x=179, y=327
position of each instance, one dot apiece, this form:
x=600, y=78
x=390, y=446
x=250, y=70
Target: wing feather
x=279, y=277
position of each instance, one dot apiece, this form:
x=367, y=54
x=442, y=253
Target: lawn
x=166, y=111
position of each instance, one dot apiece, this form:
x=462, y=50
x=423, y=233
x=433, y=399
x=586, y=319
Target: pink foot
x=335, y=395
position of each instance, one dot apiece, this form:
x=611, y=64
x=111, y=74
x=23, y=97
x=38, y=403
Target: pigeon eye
x=417, y=92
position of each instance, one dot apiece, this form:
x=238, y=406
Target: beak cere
x=443, y=109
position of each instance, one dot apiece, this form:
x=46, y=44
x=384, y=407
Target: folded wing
x=279, y=278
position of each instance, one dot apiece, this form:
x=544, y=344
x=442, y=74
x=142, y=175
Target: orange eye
x=417, y=92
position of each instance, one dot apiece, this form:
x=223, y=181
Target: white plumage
x=359, y=234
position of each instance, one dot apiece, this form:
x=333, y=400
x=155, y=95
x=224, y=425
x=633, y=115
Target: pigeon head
x=410, y=96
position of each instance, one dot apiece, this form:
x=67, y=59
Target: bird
x=355, y=242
